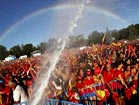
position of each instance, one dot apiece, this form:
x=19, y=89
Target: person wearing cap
x=100, y=88
x=80, y=85
x=89, y=83
x=19, y=94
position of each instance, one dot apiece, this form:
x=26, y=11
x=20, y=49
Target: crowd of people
x=92, y=75
x=16, y=80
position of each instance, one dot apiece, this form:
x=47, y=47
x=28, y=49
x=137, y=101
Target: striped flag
x=102, y=41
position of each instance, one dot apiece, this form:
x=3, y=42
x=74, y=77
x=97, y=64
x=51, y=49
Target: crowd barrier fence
x=52, y=102
x=23, y=103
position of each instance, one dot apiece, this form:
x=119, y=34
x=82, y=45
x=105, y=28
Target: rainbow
x=60, y=7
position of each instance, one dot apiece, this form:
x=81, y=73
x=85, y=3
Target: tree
x=94, y=37
x=132, y=32
x=123, y=34
x=28, y=49
x=16, y=50
x=3, y=52
x=137, y=28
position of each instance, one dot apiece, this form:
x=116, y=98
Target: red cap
x=79, y=78
x=89, y=73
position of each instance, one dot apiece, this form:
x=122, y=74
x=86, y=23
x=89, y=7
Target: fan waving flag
x=102, y=42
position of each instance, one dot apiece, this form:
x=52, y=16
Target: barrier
x=54, y=101
x=23, y=103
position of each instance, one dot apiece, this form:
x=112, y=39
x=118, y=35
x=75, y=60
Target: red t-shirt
x=119, y=72
x=6, y=79
x=5, y=94
x=79, y=86
x=88, y=82
x=97, y=70
x=72, y=96
x=109, y=76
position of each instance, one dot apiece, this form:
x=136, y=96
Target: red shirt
x=73, y=96
x=87, y=82
x=97, y=70
x=6, y=79
x=5, y=93
x=119, y=72
x=109, y=76
x=79, y=86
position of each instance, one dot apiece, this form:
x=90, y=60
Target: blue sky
x=34, y=21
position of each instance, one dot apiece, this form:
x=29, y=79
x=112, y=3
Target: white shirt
x=19, y=94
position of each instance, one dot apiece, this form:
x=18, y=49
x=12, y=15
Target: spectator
x=19, y=95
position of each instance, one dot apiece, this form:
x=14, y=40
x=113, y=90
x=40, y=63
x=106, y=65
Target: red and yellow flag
x=102, y=42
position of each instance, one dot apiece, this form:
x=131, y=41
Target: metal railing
x=23, y=103
x=52, y=102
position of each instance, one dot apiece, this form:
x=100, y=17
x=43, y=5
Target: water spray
x=46, y=73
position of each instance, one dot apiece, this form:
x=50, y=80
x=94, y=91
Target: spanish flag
x=102, y=41
x=102, y=94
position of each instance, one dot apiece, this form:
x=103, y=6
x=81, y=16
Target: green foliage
x=28, y=49
x=137, y=28
x=94, y=37
x=3, y=52
x=16, y=50
x=132, y=32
